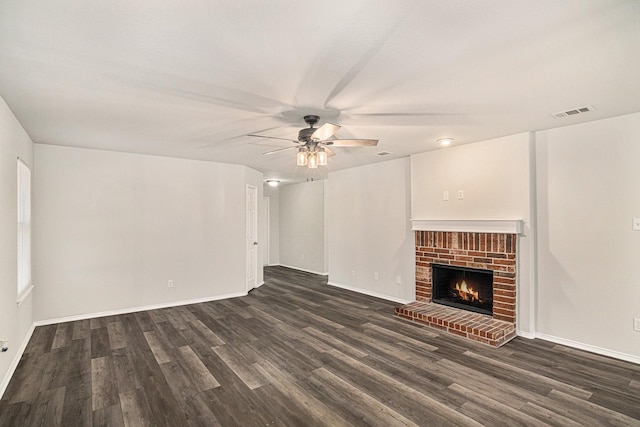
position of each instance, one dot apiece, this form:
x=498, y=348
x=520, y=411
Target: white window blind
x=24, y=230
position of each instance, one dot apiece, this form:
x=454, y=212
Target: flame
x=466, y=293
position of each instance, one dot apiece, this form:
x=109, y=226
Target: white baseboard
x=302, y=269
x=369, y=293
x=136, y=309
x=590, y=348
x=523, y=334
x=16, y=360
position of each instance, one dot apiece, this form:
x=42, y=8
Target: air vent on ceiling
x=573, y=112
x=382, y=153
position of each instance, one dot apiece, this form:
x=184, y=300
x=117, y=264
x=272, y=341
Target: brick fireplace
x=487, y=245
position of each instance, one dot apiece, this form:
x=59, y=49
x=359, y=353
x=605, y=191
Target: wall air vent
x=382, y=153
x=573, y=112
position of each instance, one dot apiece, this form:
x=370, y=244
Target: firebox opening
x=462, y=287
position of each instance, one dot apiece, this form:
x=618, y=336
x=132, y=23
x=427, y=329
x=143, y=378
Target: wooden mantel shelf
x=509, y=226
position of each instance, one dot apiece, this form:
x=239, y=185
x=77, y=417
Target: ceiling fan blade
x=274, y=137
x=278, y=150
x=325, y=131
x=352, y=142
x=275, y=143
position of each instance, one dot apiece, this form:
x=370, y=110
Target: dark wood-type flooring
x=297, y=352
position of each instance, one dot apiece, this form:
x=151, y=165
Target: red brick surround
x=489, y=251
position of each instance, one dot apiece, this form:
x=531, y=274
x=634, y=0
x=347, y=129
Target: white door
x=252, y=237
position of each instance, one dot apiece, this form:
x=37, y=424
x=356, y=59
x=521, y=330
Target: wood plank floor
x=297, y=352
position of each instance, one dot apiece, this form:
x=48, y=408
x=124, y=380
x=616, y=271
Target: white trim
x=136, y=309
x=590, y=348
x=533, y=238
x=302, y=269
x=509, y=226
x=16, y=360
x=24, y=294
x=369, y=293
x=525, y=334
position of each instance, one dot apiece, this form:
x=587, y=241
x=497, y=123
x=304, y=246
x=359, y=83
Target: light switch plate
x=636, y=224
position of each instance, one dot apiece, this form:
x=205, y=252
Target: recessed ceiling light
x=445, y=141
x=273, y=182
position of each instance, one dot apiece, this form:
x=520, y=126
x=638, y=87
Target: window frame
x=23, y=238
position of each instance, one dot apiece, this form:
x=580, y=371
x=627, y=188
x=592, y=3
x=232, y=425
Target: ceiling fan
x=313, y=143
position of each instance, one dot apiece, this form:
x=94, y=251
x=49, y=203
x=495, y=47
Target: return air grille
x=573, y=112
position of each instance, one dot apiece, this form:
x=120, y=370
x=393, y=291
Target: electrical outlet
x=636, y=325
x=398, y=280
x=353, y=273
x=375, y=275
x=445, y=196
x=170, y=284
x=4, y=345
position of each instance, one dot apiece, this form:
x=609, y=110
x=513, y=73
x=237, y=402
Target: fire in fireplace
x=462, y=287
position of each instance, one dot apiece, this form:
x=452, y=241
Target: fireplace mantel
x=509, y=226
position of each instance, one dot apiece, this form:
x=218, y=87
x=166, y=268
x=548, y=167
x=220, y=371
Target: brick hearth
x=489, y=251
x=475, y=326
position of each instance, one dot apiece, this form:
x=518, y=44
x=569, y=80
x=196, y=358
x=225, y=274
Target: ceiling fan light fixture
x=273, y=182
x=301, y=157
x=445, y=141
x=313, y=143
x=322, y=157
x=313, y=161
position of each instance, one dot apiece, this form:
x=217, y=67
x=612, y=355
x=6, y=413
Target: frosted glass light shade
x=322, y=157
x=313, y=161
x=301, y=158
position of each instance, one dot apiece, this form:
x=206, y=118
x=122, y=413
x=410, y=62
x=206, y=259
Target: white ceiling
x=191, y=79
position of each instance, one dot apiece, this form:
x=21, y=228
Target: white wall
x=112, y=228
x=589, y=191
x=15, y=321
x=274, y=224
x=494, y=177
x=302, y=226
x=370, y=231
